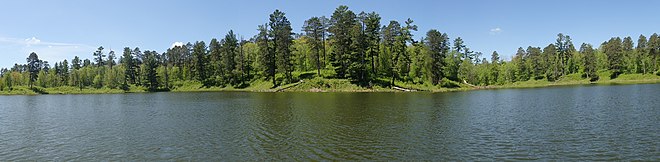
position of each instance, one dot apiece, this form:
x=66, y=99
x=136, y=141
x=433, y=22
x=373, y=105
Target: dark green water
x=562, y=123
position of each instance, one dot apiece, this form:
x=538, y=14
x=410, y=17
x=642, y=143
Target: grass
x=318, y=84
x=311, y=82
x=88, y=90
x=632, y=79
x=18, y=90
x=576, y=79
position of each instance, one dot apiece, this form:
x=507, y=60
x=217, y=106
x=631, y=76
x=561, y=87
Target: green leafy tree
x=98, y=57
x=642, y=52
x=129, y=66
x=520, y=59
x=200, y=62
x=565, y=49
x=372, y=28
x=230, y=51
x=494, y=67
x=614, y=51
x=406, y=37
x=390, y=33
x=342, y=21
x=111, y=59
x=150, y=65
x=282, y=37
x=419, y=72
x=654, y=51
x=34, y=66
x=325, y=23
x=466, y=71
x=550, y=58
x=438, y=48
x=629, y=56
x=8, y=80
x=313, y=29
x=138, y=58
x=301, y=53
x=216, y=61
x=76, y=63
x=249, y=51
x=589, y=61
x=243, y=64
x=86, y=63
x=358, y=61
x=534, y=62
x=460, y=46
x=267, y=55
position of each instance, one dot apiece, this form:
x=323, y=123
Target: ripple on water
x=555, y=124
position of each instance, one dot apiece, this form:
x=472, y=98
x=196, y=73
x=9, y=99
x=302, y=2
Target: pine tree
x=589, y=61
x=150, y=65
x=438, y=48
x=216, y=67
x=642, y=52
x=614, y=51
x=34, y=66
x=98, y=57
x=129, y=67
x=342, y=21
x=313, y=29
x=229, y=53
x=200, y=62
x=372, y=39
x=282, y=38
x=267, y=58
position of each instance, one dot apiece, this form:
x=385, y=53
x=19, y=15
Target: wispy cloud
x=495, y=31
x=33, y=41
x=176, y=44
x=17, y=49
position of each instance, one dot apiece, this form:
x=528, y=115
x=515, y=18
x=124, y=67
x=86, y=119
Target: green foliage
x=200, y=62
x=372, y=29
x=589, y=61
x=342, y=21
x=363, y=56
x=282, y=38
x=149, y=68
x=314, y=30
x=358, y=60
x=98, y=57
x=449, y=83
x=438, y=48
x=34, y=66
x=614, y=51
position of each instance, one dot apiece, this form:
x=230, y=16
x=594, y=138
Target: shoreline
x=301, y=87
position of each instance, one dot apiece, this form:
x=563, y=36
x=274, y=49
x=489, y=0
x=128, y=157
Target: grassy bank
x=575, y=79
x=310, y=83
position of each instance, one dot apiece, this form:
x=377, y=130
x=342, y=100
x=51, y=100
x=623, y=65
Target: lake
x=573, y=123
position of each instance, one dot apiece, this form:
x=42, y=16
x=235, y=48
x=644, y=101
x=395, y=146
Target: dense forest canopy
x=345, y=45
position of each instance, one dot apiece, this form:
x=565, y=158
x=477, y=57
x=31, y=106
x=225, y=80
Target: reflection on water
x=564, y=123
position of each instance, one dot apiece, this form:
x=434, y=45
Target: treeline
x=345, y=46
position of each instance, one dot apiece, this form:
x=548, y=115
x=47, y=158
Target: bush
x=448, y=83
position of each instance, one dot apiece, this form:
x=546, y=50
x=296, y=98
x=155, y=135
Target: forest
x=347, y=47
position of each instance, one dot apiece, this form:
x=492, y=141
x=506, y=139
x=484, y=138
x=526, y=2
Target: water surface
x=560, y=123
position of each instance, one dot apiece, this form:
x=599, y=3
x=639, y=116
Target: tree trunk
x=318, y=63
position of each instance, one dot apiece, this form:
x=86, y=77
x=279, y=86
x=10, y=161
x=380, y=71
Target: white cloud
x=34, y=41
x=31, y=41
x=18, y=49
x=495, y=30
x=177, y=44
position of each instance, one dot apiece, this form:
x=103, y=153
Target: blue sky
x=59, y=30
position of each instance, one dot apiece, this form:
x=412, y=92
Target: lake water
x=560, y=123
